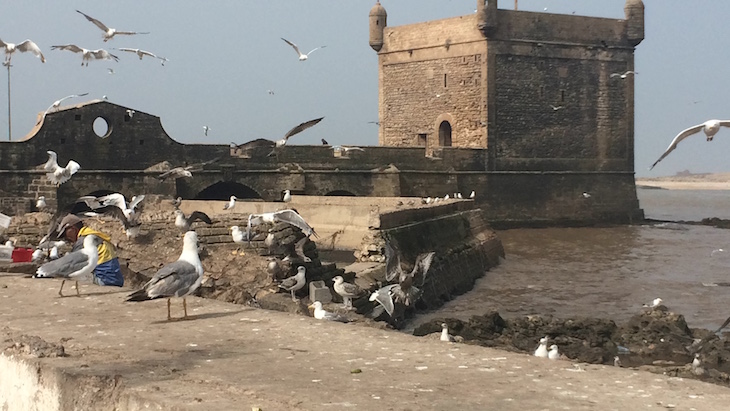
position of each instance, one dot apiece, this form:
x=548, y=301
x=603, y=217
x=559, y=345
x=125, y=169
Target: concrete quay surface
x=125, y=356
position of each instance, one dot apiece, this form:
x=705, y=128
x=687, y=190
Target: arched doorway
x=223, y=190
x=445, y=134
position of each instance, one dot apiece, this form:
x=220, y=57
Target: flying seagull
x=184, y=223
x=287, y=216
x=187, y=171
x=57, y=174
x=346, y=149
x=206, y=129
x=74, y=265
x=176, y=202
x=295, y=282
x=57, y=103
x=556, y=108
x=141, y=53
x=177, y=279
x=87, y=55
x=710, y=128
x=623, y=75
x=302, y=57
x=109, y=33
x=27, y=45
x=114, y=204
x=321, y=314
x=346, y=290
x=298, y=129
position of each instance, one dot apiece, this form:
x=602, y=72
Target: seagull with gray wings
x=109, y=32
x=295, y=282
x=709, y=127
x=177, y=279
x=113, y=204
x=57, y=103
x=302, y=56
x=288, y=216
x=25, y=46
x=184, y=223
x=79, y=264
x=347, y=291
x=86, y=54
x=186, y=171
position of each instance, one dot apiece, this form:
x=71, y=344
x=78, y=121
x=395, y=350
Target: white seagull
x=321, y=314
x=111, y=202
x=623, y=75
x=346, y=290
x=27, y=45
x=445, y=336
x=57, y=104
x=298, y=129
x=141, y=53
x=206, y=129
x=472, y=195
x=239, y=238
x=75, y=265
x=230, y=204
x=177, y=279
x=109, y=33
x=542, y=350
x=53, y=254
x=553, y=354
x=302, y=56
x=295, y=282
x=655, y=303
x=346, y=149
x=287, y=196
x=40, y=203
x=710, y=128
x=287, y=216
x=87, y=55
x=57, y=174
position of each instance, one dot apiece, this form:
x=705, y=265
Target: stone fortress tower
x=534, y=89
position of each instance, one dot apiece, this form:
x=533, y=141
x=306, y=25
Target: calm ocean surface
x=611, y=272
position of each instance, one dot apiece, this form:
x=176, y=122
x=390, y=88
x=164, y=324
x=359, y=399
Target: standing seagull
x=295, y=282
x=302, y=57
x=57, y=174
x=542, y=350
x=87, y=55
x=74, y=265
x=177, y=279
x=230, y=204
x=40, y=203
x=57, y=103
x=321, y=314
x=287, y=196
x=554, y=354
x=239, y=238
x=27, y=45
x=109, y=33
x=184, y=223
x=710, y=127
x=445, y=336
x=346, y=290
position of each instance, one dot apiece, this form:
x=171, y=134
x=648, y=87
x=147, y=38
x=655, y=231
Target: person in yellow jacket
x=107, y=271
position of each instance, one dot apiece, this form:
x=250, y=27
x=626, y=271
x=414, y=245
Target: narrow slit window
x=444, y=79
x=562, y=96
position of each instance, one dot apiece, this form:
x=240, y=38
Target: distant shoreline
x=682, y=183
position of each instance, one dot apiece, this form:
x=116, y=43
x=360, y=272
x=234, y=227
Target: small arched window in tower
x=562, y=96
x=445, y=134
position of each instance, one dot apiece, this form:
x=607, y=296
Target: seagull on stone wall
x=230, y=204
x=109, y=33
x=302, y=56
x=40, y=203
x=26, y=45
x=87, y=55
x=710, y=128
x=57, y=103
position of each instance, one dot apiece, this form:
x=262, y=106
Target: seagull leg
x=168, y=310
x=185, y=308
x=293, y=297
x=77, y=289
x=346, y=302
x=60, y=292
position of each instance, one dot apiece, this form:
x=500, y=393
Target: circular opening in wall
x=101, y=127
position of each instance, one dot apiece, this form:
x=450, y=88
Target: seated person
x=107, y=271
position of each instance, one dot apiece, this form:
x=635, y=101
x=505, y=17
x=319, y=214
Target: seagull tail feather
x=140, y=295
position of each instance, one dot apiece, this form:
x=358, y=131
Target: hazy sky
x=225, y=55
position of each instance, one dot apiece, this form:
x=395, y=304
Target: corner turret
x=634, y=10
x=487, y=16
x=378, y=21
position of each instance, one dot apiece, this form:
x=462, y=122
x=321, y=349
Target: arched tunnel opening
x=223, y=190
x=341, y=193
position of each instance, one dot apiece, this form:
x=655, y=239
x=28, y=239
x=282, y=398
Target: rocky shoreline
x=655, y=340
